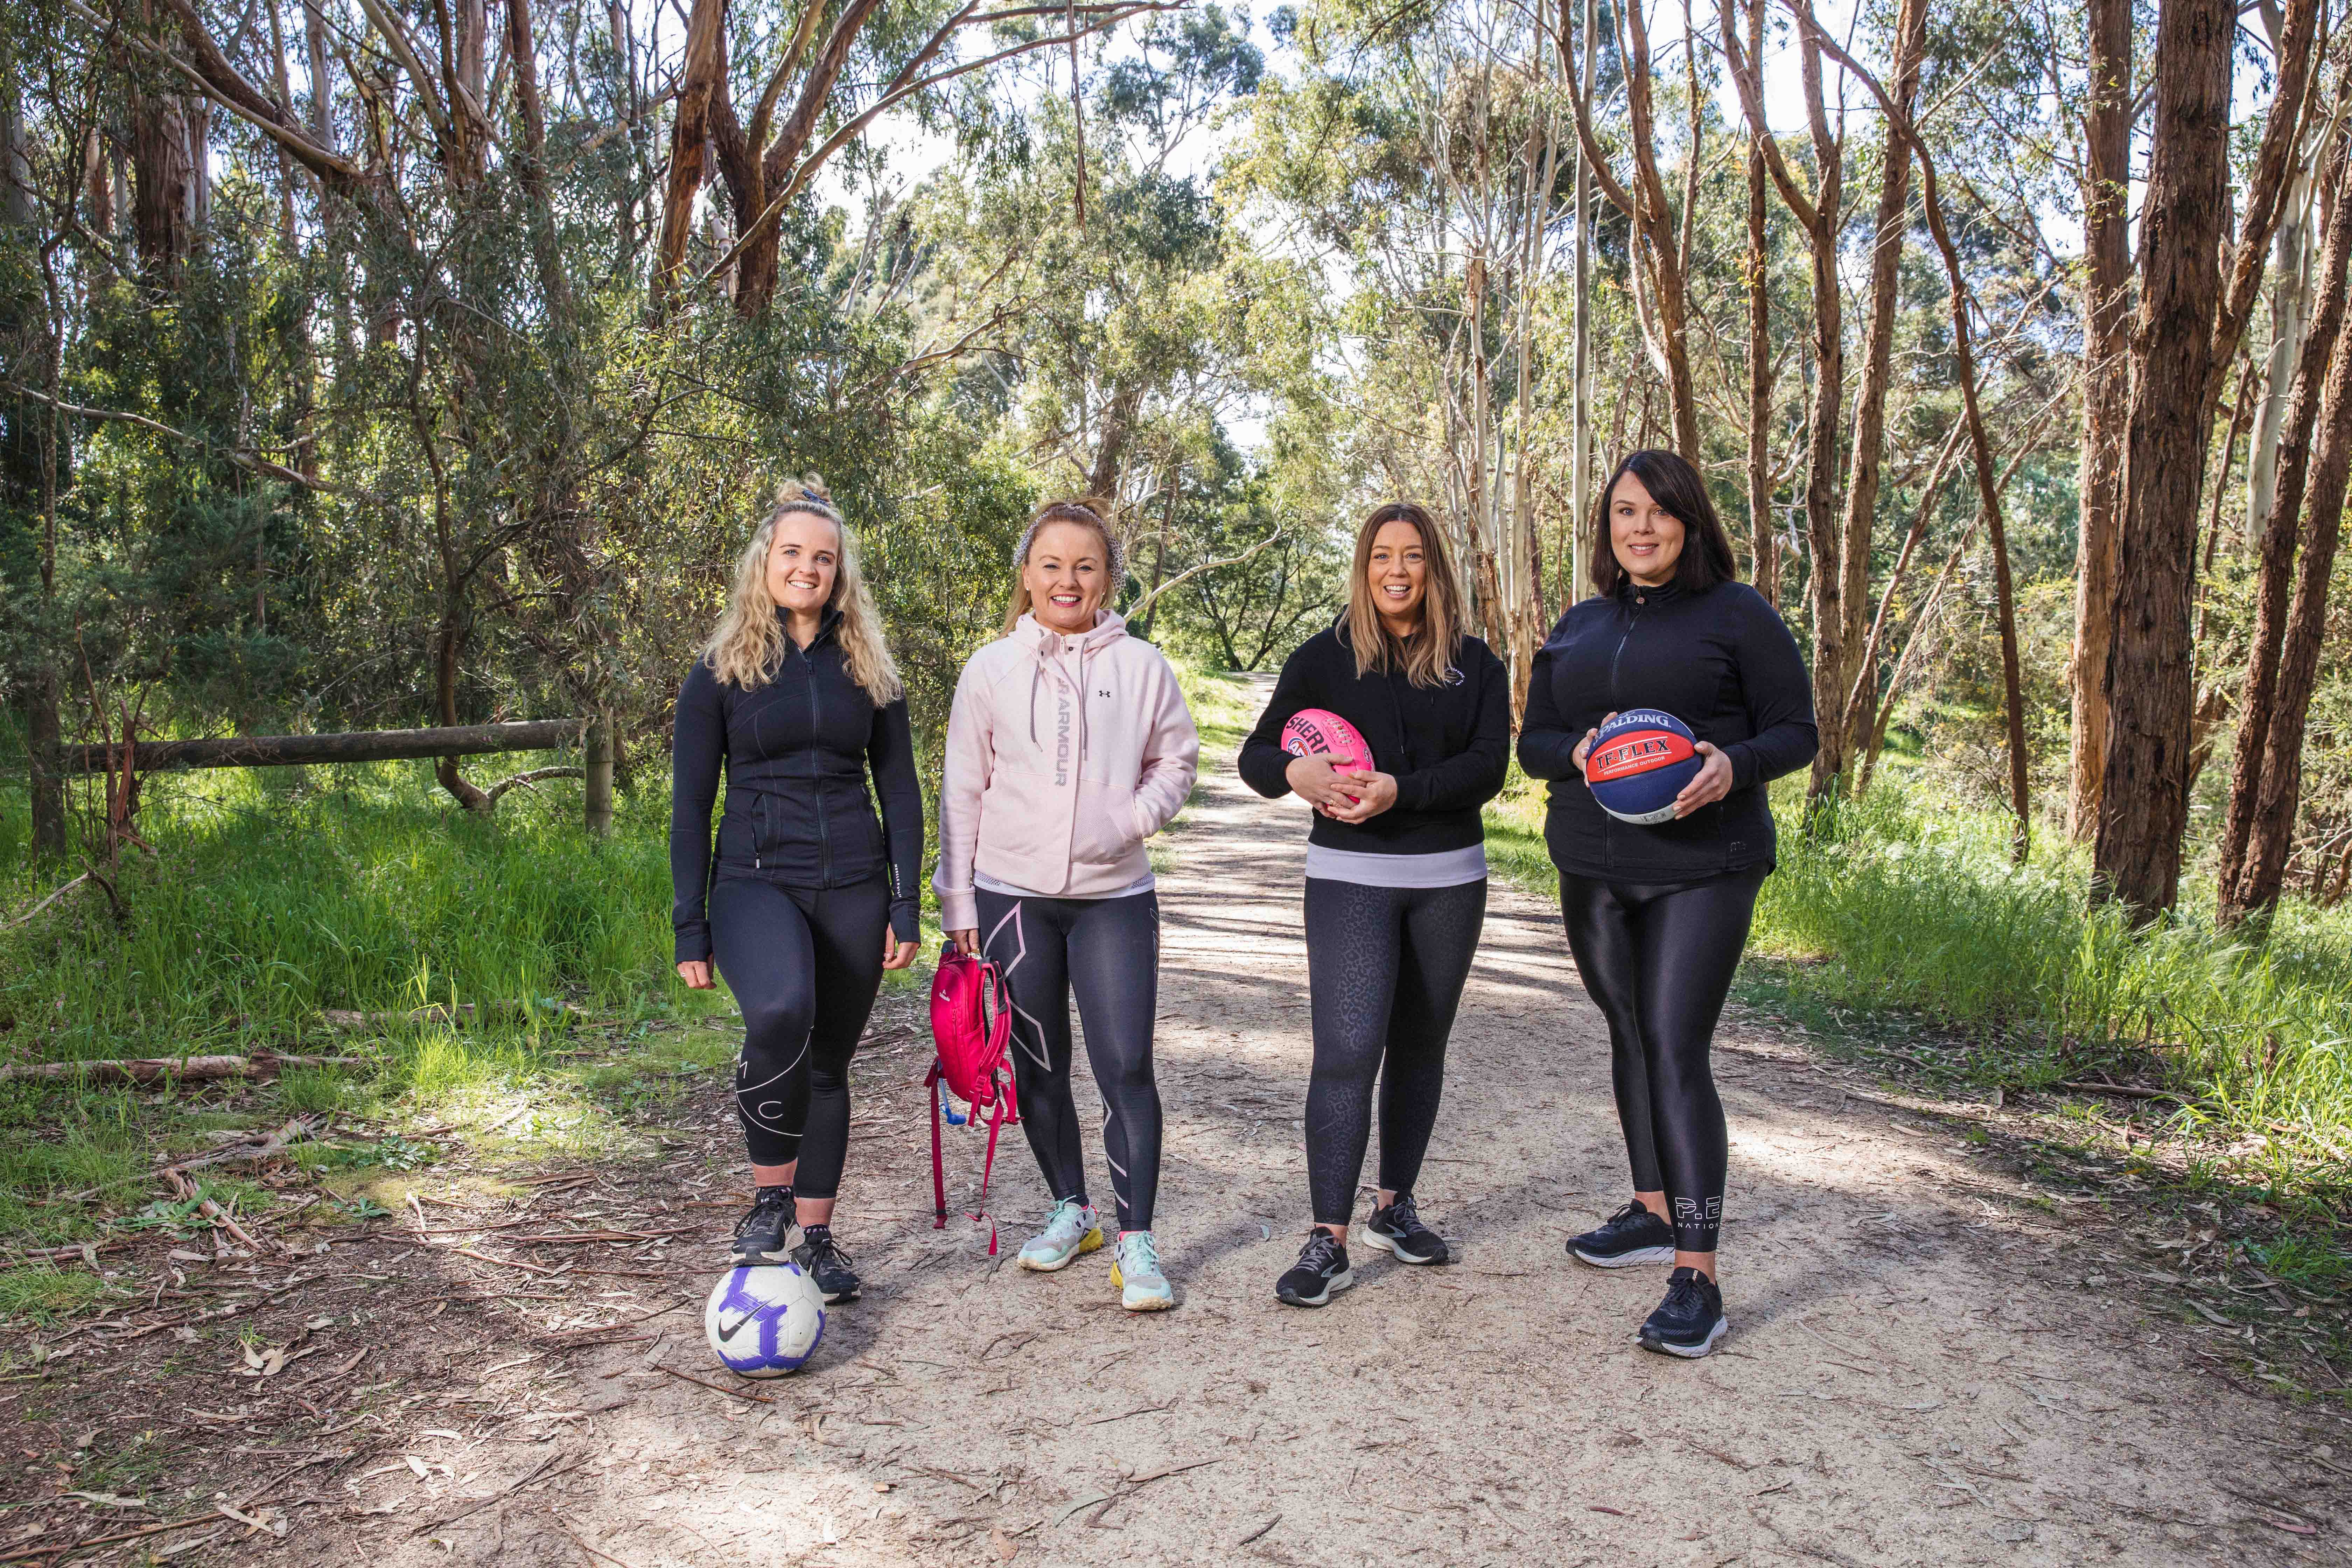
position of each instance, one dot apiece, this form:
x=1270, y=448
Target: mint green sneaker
x=1135, y=1269
x=1070, y=1230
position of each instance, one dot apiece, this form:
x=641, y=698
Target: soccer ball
x=765, y=1320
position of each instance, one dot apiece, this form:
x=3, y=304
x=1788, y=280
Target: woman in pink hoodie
x=1068, y=747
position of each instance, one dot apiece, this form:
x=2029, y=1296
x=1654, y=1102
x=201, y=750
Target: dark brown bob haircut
x=1676, y=486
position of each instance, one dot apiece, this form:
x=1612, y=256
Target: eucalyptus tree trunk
x=1863, y=472
x=2144, y=809
x=1819, y=213
x=2290, y=295
x=1763, y=543
x=170, y=192
x=2303, y=473
x=2106, y=398
x=1581, y=489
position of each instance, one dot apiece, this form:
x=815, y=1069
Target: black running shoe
x=1689, y=1321
x=764, y=1234
x=1631, y=1236
x=1320, y=1273
x=822, y=1259
x=1397, y=1228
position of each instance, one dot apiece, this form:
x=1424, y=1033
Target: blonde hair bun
x=807, y=492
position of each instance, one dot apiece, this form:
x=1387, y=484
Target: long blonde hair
x=1086, y=512
x=747, y=647
x=1427, y=656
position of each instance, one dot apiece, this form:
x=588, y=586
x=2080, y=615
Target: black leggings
x=803, y=965
x=1107, y=951
x=1657, y=959
x=1385, y=968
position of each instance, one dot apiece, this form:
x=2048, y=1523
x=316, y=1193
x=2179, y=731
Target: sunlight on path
x=1915, y=1374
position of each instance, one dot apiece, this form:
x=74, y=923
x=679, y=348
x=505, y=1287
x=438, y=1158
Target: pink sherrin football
x=1319, y=729
x=1316, y=729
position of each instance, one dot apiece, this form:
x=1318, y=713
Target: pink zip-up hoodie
x=1065, y=753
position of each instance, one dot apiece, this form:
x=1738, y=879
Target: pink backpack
x=971, y=1023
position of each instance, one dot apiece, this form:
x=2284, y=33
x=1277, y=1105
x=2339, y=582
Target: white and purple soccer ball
x=764, y=1320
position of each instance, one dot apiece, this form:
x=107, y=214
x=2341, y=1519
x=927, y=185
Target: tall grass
x=1908, y=901
x=266, y=904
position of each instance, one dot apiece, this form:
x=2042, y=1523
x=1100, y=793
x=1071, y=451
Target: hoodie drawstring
x=1047, y=655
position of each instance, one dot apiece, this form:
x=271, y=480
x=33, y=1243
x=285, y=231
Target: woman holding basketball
x=795, y=698
x=1396, y=871
x=1657, y=913
x=1068, y=747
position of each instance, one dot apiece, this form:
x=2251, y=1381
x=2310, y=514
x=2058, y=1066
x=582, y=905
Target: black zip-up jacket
x=1722, y=662
x=797, y=752
x=1448, y=746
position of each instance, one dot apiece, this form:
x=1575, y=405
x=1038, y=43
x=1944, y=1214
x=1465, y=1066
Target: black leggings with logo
x=1107, y=951
x=804, y=963
x=1657, y=959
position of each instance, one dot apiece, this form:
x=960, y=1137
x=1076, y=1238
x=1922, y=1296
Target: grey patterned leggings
x=1385, y=968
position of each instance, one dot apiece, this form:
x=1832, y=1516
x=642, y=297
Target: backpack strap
x=995, y=1125
x=938, y=1171
x=997, y=1027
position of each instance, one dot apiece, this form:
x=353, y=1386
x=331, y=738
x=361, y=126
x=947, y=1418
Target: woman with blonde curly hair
x=809, y=898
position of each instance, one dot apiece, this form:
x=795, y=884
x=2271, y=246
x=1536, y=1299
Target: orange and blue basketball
x=1640, y=763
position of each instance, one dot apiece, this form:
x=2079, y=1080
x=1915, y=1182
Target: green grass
x=1900, y=923
x=1224, y=707
x=42, y=1294
x=265, y=906
x=273, y=896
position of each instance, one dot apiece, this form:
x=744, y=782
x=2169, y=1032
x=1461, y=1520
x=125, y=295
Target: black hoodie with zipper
x=797, y=752
x=1720, y=660
x=1447, y=746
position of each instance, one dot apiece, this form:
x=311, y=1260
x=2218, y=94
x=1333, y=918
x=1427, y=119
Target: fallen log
x=294, y=1131
x=465, y=1013
x=154, y=1070
x=355, y=746
x=2121, y=1091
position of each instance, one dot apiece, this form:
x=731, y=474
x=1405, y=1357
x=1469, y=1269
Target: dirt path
x=1919, y=1371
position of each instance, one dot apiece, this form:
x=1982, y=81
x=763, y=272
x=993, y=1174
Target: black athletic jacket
x=1448, y=746
x=1722, y=662
x=797, y=752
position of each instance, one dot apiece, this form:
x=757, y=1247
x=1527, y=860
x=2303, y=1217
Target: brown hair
x=1427, y=656
x=1086, y=511
x=1676, y=485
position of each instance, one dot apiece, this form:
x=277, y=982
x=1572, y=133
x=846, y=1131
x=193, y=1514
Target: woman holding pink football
x=1396, y=872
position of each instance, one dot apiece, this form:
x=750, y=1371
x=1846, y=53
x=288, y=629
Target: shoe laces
x=1075, y=1209
x=767, y=1201
x=1684, y=1291
x=1139, y=1254
x=1632, y=1213
x=1403, y=1214
x=1321, y=1249
x=823, y=1248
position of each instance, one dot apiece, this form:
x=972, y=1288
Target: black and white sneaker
x=1689, y=1321
x=1397, y=1228
x=1320, y=1273
x=764, y=1234
x=1631, y=1236
x=822, y=1259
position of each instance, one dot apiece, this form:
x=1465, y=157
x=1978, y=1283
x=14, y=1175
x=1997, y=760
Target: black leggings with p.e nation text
x=1657, y=959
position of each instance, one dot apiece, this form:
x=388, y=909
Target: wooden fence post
x=599, y=791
